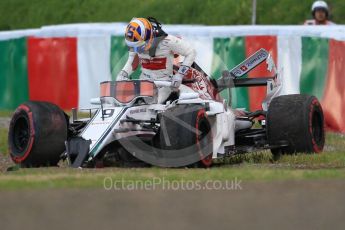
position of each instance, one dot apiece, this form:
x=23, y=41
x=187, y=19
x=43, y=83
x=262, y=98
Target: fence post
x=254, y=12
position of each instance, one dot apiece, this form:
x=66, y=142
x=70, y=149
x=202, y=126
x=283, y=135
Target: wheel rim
x=21, y=134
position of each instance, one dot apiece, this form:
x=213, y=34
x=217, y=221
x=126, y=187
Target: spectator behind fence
x=320, y=12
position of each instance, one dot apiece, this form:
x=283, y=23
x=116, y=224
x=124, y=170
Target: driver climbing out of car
x=154, y=49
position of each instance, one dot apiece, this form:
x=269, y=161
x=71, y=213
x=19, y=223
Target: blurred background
x=59, y=51
x=19, y=14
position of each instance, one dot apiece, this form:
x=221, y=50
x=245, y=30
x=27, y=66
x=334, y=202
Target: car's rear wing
x=225, y=83
x=248, y=64
x=231, y=78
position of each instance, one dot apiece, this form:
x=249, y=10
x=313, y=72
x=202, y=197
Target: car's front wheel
x=37, y=134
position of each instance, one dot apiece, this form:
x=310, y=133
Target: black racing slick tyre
x=295, y=122
x=186, y=130
x=37, y=134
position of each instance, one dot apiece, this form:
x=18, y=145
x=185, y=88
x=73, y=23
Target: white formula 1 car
x=128, y=127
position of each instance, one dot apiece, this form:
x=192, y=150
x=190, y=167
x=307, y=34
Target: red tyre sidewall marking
x=206, y=161
x=17, y=159
x=313, y=105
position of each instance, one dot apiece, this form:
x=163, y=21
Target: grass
x=6, y=113
x=211, y=12
x=247, y=167
x=3, y=140
x=95, y=178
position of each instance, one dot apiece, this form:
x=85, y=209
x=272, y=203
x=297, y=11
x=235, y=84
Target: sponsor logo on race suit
x=154, y=63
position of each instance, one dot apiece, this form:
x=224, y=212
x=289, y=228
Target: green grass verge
x=248, y=167
x=95, y=178
x=3, y=140
x=5, y=113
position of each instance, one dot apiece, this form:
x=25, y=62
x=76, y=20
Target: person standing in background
x=320, y=12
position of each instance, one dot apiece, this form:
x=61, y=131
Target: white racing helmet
x=319, y=5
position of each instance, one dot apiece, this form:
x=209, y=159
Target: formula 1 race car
x=128, y=127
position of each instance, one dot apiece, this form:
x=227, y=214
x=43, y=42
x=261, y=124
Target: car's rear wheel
x=186, y=134
x=295, y=123
x=37, y=134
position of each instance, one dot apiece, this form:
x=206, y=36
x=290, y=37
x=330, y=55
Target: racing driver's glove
x=176, y=81
x=177, y=78
x=122, y=76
